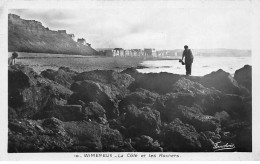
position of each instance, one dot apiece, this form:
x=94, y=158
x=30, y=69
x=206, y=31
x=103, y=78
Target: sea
x=200, y=67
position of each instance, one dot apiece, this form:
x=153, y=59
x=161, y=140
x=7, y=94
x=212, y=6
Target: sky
x=147, y=25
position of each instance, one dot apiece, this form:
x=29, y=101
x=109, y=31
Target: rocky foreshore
x=109, y=111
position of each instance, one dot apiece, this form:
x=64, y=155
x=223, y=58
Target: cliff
x=32, y=36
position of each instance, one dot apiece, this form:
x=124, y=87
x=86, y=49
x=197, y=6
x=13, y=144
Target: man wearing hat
x=188, y=59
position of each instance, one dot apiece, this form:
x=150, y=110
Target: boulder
x=192, y=116
x=63, y=76
x=29, y=93
x=94, y=111
x=162, y=83
x=142, y=121
x=118, y=82
x=140, y=98
x=146, y=144
x=168, y=104
x=187, y=86
x=112, y=141
x=242, y=132
x=234, y=105
x=93, y=137
x=222, y=116
x=132, y=72
x=244, y=77
x=53, y=135
x=37, y=136
x=155, y=82
x=63, y=113
x=180, y=137
x=86, y=135
x=222, y=81
x=207, y=101
x=90, y=91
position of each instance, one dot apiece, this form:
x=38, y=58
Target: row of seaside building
x=80, y=40
x=113, y=52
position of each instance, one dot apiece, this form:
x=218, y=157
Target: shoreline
x=40, y=62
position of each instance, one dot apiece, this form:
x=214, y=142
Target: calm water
x=201, y=65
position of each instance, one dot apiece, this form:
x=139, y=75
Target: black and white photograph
x=120, y=79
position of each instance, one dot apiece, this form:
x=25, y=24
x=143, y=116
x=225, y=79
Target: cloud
x=158, y=27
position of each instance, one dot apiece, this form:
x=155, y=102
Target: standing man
x=188, y=59
x=11, y=60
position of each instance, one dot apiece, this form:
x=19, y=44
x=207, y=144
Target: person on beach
x=11, y=60
x=187, y=54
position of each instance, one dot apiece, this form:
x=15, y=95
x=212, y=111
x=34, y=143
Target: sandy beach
x=40, y=62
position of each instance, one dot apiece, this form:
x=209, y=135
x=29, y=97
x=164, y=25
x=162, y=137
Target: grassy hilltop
x=32, y=36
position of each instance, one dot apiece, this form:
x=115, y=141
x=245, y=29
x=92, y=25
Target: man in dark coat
x=11, y=60
x=188, y=59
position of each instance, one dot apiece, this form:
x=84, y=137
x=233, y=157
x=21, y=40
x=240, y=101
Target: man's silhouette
x=188, y=59
x=11, y=60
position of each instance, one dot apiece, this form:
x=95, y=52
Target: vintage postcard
x=130, y=80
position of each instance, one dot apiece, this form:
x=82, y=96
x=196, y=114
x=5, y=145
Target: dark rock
x=90, y=91
x=207, y=101
x=140, y=98
x=181, y=137
x=87, y=135
x=234, y=106
x=146, y=144
x=142, y=121
x=244, y=77
x=63, y=76
x=37, y=136
x=247, y=102
x=222, y=116
x=93, y=137
x=206, y=143
x=155, y=82
x=11, y=113
x=118, y=125
x=58, y=91
x=188, y=86
x=94, y=111
x=242, y=135
x=167, y=105
x=222, y=81
x=193, y=117
x=28, y=92
x=132, y=72
x=101, y=114
x=112, y=141
x=162, y=82
x=118, y=82
x=213, y=136
x=64, y=113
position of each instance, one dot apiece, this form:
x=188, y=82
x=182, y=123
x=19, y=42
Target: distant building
x=106, y=52
x=82, y=41
x=161, y=53
x=150, y=52
x=88, y=44
x=62, y=31
x=138, y=52
x=72, y=36
x=118, y=52
x=128, y=53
